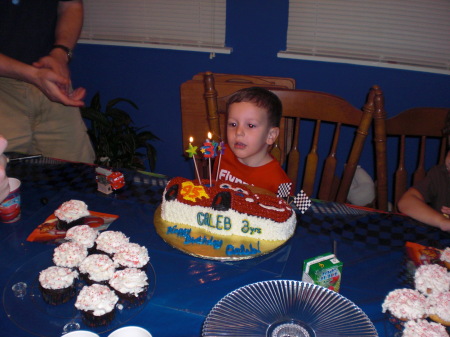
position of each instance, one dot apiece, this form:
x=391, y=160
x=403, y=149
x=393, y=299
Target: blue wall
x=256, y=30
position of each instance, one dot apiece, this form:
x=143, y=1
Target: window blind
x=197, y=25
x=408, y=34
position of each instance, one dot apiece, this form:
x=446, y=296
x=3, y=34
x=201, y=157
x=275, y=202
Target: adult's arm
x=48, y=81
x=67, y=32
x=413, y=204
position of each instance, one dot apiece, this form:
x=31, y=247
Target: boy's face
x=249, y=133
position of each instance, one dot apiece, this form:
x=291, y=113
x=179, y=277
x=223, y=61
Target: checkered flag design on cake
x=284, y=190
x=302, y=201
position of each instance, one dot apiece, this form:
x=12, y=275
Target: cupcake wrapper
x=57, y=296
x=94, y=321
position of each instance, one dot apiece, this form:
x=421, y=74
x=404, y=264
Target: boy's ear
x=272, y=135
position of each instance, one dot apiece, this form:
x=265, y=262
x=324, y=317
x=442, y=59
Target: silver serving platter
x=286, y=308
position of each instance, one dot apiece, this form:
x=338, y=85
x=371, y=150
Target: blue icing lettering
x=246, y=228
x=188, y=239
x=242, y=250
x=203, y=240
x=219, y=222
x=181, y=232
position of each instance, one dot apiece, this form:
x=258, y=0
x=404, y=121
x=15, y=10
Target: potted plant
x=115, y=139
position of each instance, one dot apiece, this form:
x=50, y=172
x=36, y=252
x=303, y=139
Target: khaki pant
x=33, y=124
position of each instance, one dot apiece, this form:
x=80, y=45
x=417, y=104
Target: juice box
x=324, y=270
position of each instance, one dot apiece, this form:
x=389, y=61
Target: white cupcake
x=406, y=304
x=432, y=279
x=423, y=328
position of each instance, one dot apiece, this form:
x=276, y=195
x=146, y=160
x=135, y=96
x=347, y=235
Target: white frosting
x=99, y=267
x=109, y=241
x=72, y=210
x=440, y=305
x=83, y=234
x=445, y=255
x=423, y=328
x=432, y=279
x=69, y=254
x=131, y=255
x=57, y=277
x=180, y=213
x=129, y=281
x=98, y=298
x=406, y=304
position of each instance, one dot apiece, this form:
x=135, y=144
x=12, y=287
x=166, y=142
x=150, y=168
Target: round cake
x=131, y=255
x=439, y=310
x=69, y=254
x=225, y=221
x=432, y=279
x=71, y=213
x=97, y=304
x=97, y=268
x=83, y=234
x=131, y=286
x=406, y=304
x=423, y=328
x=445, y=257
x=57, y=284
x=108, y=241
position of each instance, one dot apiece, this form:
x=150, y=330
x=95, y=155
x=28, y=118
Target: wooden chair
x=319, y=109
x=412, y=128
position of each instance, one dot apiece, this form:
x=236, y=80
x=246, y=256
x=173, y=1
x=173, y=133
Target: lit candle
x=192, y=151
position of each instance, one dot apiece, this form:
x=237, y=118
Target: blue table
x=370, y=245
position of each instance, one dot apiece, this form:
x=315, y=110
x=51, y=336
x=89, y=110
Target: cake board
x=194, y=241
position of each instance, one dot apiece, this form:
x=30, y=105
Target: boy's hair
x=262, y=98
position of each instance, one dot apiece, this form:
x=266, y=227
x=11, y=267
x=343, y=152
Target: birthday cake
x=223, y=221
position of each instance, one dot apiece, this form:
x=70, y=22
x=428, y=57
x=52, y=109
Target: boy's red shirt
x=269, y=176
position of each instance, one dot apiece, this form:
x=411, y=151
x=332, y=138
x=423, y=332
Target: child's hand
x=445, y=210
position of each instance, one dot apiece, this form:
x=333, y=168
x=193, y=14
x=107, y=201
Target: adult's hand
x=53, y=86
x=57, y=63
x=4, y=183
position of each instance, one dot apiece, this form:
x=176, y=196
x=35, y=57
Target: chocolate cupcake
x=69, y=254
x=108, y=242
x=71, y=213
x=97, y=268
x=131, y=285
x=97, y=305
x=83, y=234
x=57, y=284
x=131, y=255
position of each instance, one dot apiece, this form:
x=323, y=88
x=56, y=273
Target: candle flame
x=209, y=135
x=191, y=139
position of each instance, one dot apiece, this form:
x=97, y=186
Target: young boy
x=253, y=122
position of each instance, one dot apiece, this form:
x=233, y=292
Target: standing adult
x=39, y=110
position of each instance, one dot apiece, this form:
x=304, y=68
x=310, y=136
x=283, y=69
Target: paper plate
x=281, y=308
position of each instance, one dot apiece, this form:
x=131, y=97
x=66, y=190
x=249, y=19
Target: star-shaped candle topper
x=221, y=148
x=192, y=150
